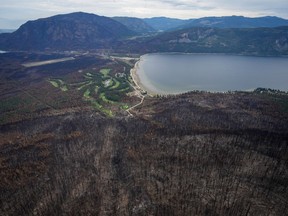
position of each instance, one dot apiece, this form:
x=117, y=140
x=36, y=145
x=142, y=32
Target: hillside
x=77, y=138
x=78, y=31
x=164, y=23
x=250, y=41
x=135, y=24
x=170, y=24
x=69, y=31
x=195, y=154
x=235, y=22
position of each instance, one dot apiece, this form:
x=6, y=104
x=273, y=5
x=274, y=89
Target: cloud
x=33, y=9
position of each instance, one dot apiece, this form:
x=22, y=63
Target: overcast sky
x=13, y=13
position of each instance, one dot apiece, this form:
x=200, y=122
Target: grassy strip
x=87, y=94
x=105, y=72
x=103, y=97
x=96, y=89
x=64, y=88
x=98, y=106
x=83, y=86
x=124, y=90
x=124, y=107
x=89, y=74
x=116, y=85
x=54, y=83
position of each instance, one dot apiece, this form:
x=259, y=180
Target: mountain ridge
x=135, y=24
x=77, y=30
x=82, y=31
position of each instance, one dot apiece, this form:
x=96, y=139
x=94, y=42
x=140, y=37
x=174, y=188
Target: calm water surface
x=178, y=73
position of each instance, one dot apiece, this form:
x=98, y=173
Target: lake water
x=178, y=73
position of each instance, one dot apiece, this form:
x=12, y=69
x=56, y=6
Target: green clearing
x=89, y=74
x=64, y=88
x=124, y=107
x=103, y=90
x=124, y=89
x=58, y=83
x=116, y=85
x=107, y=83
x=87, y=94
x=103, y=97
x=96, y=89
x=54, y=83
x=85, y=85
x=105, y=72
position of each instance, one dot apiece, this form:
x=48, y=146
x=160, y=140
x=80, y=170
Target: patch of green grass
x=107, y=83
x=96, y=89
x=85, y=85
x=105, y=72
x=60, y=81
x=130, y=79
x=54, y=83
x=99, y=107
x=105, y=99
x=87, y=94
x=109, y=113
x=116, y=85
x=96, y=105
x=124, y=107
x=64, y=88
x=124, y=89
x=89, y=74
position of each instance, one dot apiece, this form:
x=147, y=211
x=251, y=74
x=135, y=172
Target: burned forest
x=191, y=154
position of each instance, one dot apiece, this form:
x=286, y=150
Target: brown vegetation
x=194, y=154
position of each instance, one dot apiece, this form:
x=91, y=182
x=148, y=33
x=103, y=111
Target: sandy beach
x=136, y=79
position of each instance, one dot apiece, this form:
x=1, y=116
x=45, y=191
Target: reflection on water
x=176, y=73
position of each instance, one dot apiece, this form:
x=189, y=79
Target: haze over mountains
x=164, y=23
x=234, y=34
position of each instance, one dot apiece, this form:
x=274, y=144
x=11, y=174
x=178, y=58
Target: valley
x=80, y=136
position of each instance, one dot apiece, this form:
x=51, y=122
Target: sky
x=13, y=13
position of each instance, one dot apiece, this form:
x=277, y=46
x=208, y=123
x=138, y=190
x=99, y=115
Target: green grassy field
x=102, y=89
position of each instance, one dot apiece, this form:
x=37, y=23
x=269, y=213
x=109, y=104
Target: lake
x=178, y=73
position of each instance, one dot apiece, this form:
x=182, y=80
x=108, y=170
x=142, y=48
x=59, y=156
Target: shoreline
x=136, y=80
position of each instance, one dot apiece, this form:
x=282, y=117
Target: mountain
x=165, y=23
x=135, y=24
x=251, y=41
x=69, y=31
x=235, y=22
x=89, y=31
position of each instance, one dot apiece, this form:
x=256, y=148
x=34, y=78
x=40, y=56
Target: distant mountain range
x=246, y=41
x=79, y=30
x=135, y=24
x=164, y=23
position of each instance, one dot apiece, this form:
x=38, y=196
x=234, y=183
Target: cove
x=179, y=73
